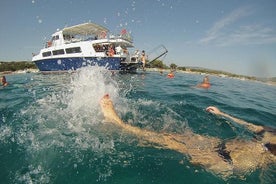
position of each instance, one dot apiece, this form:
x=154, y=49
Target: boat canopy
x=85, y=29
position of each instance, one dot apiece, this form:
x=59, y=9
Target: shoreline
x=19, y=72
x=271, y=83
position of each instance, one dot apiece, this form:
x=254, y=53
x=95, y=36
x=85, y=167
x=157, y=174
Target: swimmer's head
x=106, y=95
x=3, y=79
x=206, y=80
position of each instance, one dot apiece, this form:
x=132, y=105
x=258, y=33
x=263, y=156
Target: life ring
x=103, y=34
x=205, y=85
x=170, y=75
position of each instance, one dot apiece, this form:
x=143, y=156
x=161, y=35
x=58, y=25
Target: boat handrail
x=126, y=37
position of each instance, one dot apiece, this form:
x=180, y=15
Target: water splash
x=64, y=127
x=88, y=86
x=56, y=134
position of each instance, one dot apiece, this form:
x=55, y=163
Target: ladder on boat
x=156, y=53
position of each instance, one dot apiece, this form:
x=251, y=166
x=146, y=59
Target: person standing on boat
x=118, y=50
x=143, y=59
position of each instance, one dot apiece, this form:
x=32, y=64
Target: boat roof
x=85, y=29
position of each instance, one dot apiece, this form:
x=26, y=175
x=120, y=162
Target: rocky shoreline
x=265, y=81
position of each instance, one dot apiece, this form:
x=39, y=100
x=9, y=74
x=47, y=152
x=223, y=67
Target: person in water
x=171, y=74
x=224, y=158
x=4, y=81
x=205, y=83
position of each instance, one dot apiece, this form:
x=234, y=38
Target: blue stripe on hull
x=63, y=64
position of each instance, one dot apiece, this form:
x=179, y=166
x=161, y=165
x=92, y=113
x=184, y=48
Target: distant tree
x=181, y=68
x=157, y=64
x=173, y=66
x=14, y=66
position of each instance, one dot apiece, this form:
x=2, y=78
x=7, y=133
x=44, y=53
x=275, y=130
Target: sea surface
x=52, y=129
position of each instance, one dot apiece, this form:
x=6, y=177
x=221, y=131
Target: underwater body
x=52, y=129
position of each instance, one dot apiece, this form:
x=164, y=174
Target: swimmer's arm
x=249, y=126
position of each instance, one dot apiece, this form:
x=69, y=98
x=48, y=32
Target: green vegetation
x=16, y=65
x=217, y=72
x=23, y=65
x=161, y=65
x=173, y=66
x=157, y=64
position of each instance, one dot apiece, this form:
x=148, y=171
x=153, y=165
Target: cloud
x=248, y=35
x=225, y=31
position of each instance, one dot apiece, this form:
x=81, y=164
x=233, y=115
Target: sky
x=237, y=36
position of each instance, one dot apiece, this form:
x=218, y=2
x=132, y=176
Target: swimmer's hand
x=250, y=126
x=214, y=110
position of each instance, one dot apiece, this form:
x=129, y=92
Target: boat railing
x=75, y=40
x=126, y=37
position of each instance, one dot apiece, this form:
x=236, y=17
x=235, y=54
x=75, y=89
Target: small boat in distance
x=87, y=44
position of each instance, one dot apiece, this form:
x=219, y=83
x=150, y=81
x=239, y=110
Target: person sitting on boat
x=111, y=51
x=224, y=158
x=125, y=51
x=205, y=83
x=118, y=50
x=4, y=81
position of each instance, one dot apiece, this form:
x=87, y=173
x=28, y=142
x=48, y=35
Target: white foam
x=5, y=132
x=66, y=120
x=33, y=174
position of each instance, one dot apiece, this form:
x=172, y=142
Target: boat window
x=68, y=37
x=58, y=52
x=46, y=54
x=100, y=47
x=73, y=50
x=55, y=37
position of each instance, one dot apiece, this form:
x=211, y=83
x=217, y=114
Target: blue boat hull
x=65, y=64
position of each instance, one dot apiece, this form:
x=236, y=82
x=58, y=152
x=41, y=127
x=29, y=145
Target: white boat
x=87, y=44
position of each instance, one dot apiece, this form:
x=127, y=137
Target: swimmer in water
x=205, y=83
x=171, y=74
x=4, y=81
x=223, y=158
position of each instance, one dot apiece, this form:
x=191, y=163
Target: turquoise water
x=52, y=129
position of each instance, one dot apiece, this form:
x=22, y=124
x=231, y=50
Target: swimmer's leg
x=199, y=148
